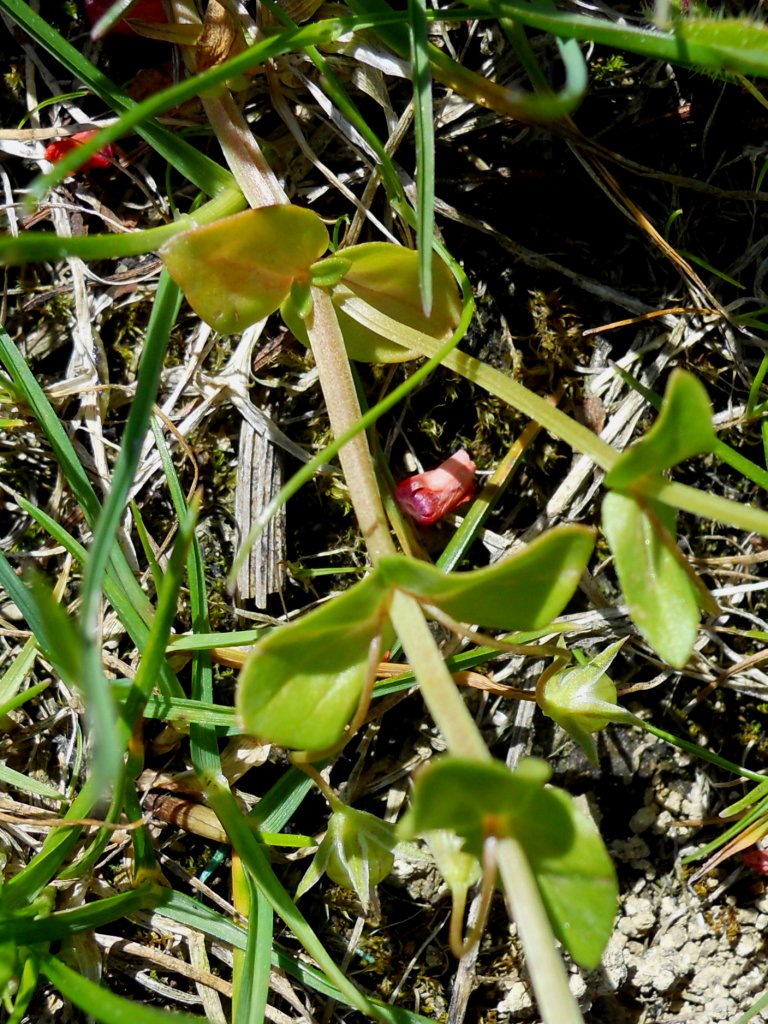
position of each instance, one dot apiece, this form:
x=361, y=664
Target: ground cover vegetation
x=260, y=267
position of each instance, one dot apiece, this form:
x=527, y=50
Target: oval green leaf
x=387, y=277
x=661, y=599
x=466, y=796
x=683, y=429
x=572, y=868
x=525, y=591
x=574, y=873
x=239, y=269
x=301, y=684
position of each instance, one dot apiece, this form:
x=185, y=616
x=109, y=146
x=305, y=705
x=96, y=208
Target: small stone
x=638, y=917
x=644, y=818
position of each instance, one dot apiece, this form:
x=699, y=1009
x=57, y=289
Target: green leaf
x=661, y=599
x=575, y=875
x=387, y=277
x=302, y=683
x=582, y=699
x=474, y=799
x=567, y=856
x=683, y=429
x=239, y=269
x=522, y=592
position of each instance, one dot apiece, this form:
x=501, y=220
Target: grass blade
x=423, y=117
x=100, y=1003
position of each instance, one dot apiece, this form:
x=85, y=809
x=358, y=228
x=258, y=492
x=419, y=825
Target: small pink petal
x=427, y=497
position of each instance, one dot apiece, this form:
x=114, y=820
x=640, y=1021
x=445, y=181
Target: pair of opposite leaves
x=239, y=270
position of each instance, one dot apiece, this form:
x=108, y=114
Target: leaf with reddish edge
x=239, y=269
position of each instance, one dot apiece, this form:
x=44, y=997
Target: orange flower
x=427, y=497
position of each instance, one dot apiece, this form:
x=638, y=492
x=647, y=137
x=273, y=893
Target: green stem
x=344, y=413
x=435, y=683
x=437, y=686
x=550, y=982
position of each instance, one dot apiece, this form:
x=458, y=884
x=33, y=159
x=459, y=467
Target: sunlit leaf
x=387, y=277
x=659, y=594
x=239, y=269
x=478, y=800
x=683, y=428
x=574, y=872
x=522, y=592
x=302, y=683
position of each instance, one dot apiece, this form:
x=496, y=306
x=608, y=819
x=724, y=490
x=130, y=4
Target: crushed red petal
x=59, y=148
x=151, y=11
x=427, y=497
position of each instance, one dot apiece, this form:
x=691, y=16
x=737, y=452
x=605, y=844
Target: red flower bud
x=60, y=147
x=427, y=497
x=757, y=860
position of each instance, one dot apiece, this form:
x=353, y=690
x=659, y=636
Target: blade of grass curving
x=29, y=785
x=180, y=709
x=154, y=653
x=702, y=752
x=731, y=44
x=182, y=908
x=28, y=981
x=68, y=462
x=115, y=13
x=145, y=863
x=536, y=108
x=24, y=599
x=33, y=878
x=203, y=742
x=208, y=641
x=579, y=437
x=64, y=923
x=423, y=119
x=254, y=860
x=146, y=546
x=122, y=602
x=13, y=678
x=107, y=752
x=100, y=1003
x=205, y=173
x=34, y=246
x=21, y=698
x=251, y=967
